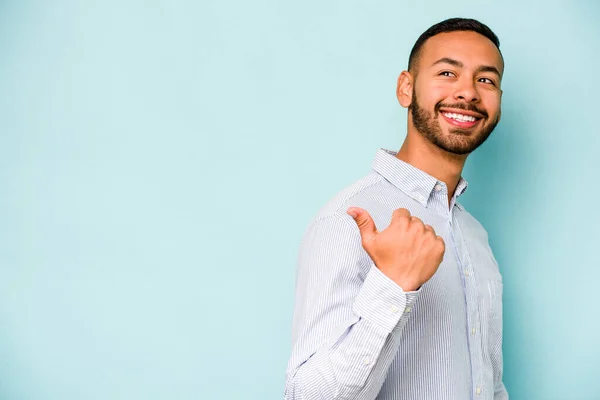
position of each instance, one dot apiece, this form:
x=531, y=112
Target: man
x=398, y=294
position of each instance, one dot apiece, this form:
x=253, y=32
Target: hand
x=407, y=251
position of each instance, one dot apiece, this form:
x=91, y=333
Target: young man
x=398, y=294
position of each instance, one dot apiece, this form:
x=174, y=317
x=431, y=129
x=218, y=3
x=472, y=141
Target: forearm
x=353, y=367
x=353, y=361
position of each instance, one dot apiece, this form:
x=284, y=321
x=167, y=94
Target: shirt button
x=394, y=309
x=478, y=390
x=438, y=187
x=466, y=273
x=367, y=361
x=408, y=309
x=473, y=331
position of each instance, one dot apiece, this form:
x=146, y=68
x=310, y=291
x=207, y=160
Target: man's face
x=456, y=91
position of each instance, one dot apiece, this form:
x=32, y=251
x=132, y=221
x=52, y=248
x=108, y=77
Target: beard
x=457, y=141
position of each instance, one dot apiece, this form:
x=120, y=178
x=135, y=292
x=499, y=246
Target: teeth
x=460, y=117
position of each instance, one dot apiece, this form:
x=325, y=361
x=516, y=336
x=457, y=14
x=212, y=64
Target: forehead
x=470, y=48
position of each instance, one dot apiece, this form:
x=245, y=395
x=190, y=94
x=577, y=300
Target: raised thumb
x=365, y=223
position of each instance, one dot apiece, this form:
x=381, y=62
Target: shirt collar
x=411, y=180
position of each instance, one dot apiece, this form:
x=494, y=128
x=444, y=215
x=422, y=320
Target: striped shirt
x=357, y=335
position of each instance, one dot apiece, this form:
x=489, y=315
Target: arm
x=348, y=317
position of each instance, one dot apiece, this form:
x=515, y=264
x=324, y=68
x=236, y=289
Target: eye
x=487, y=80
x=446, y=73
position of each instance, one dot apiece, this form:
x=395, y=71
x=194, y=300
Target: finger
x=400, y=213
x=365, y=223
x=429, y=228
x=416, y=225
x=400, y=217
x=416, y=221
x=441, y=240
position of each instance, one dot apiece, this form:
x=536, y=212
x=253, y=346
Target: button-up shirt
x=356, y=334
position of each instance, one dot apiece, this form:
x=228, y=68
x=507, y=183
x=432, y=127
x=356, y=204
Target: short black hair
x=451, y=25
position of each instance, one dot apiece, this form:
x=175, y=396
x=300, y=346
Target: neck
x=424, y=155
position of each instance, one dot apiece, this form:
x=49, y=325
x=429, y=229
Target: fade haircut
x=450, y=25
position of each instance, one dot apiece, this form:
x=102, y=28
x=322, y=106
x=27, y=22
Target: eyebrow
x=458, y=64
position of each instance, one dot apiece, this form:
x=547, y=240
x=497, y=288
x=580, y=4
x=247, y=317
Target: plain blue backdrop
x=160, y=160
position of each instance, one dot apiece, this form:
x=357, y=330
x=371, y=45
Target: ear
x=404, y=89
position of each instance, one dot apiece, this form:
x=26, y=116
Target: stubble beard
x=457, y=141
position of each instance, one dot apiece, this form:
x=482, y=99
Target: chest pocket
x=489, y=281
x=490, y=299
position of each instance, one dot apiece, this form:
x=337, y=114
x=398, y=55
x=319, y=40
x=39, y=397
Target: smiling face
x=453, y=93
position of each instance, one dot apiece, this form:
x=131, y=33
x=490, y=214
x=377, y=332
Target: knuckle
x=417, y=224
x=400, y=213
x=400, y=219
x=367, y=243
x=440, y=242
x=361, y=223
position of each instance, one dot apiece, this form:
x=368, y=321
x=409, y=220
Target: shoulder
x=334, y=211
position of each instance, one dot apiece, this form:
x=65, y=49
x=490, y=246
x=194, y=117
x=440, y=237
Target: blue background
x=160, y=160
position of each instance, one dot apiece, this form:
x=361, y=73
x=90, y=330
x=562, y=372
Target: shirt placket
x=467, y=273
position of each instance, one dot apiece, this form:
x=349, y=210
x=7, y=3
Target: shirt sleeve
x=348, y=316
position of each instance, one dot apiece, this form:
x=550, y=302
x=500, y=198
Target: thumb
x=365, y=223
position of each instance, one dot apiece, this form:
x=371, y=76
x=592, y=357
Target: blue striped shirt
x=357, y=335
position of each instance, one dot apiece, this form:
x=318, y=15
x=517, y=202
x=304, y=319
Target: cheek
x=433, y=94
x=439, y=89
x=492, y=105
x=442, y=94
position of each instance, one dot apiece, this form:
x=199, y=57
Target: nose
x=466, y=91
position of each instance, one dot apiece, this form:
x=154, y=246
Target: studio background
x=160, y=160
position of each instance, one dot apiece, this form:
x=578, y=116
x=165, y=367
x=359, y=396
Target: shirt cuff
x=383, y=302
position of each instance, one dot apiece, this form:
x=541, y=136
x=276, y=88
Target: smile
x=460, y=120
